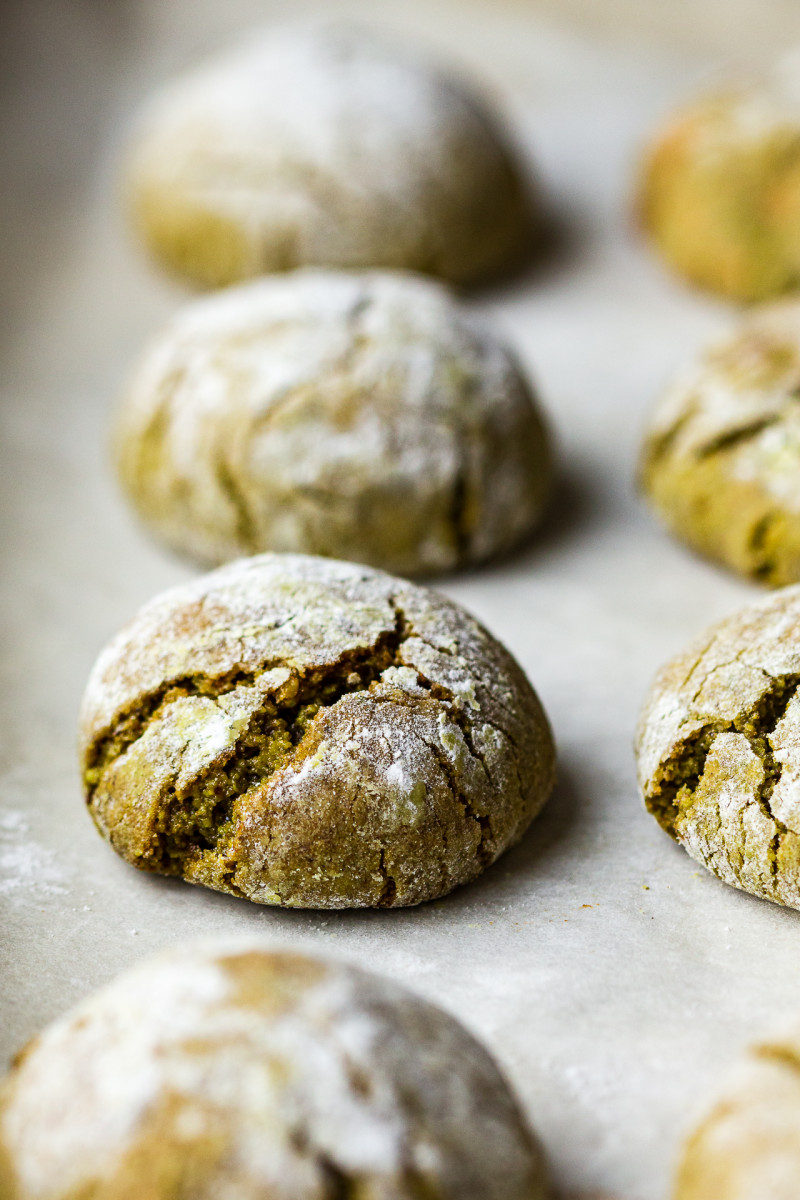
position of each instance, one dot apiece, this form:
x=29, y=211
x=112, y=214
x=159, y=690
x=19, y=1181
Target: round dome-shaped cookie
x=721, y=461
x=718, y=749
x=232, y=1070
x=720, y=190
x=325, y=146
x=365, y=416
x=310, y=733
x=748, y=1147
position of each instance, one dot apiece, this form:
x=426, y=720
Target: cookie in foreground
x=366, y=416
x=326, y=145
x=311, y=733
x=721, y=459
x=748, y=1146
x=718, y=749
x=232, y=1069
x=720, y=189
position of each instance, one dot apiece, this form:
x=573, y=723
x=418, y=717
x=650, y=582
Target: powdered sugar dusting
x=28, y=870
x=717, y=718
x=745, y=388
x=325, y=144
x=293, y=1064
x=301, y=412
x=435, y=764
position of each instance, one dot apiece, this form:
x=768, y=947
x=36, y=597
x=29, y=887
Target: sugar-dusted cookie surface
x=718, y=749
x=721, y=460
x=366, y=416
x=234, y=1070
x=325, y=145
x=305, y=732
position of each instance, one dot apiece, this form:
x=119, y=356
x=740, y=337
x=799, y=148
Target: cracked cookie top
x=748, y=1147
x=718, y=749
x=312, y=733
x=324, y=144
x=721, y=462
x=229, y=1068
x=362, y=416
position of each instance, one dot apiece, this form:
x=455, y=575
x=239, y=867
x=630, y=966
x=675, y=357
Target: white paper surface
x=613, y=978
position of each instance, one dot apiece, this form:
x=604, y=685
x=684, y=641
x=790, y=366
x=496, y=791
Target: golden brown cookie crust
x=310, y=733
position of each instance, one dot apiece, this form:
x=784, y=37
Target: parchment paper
x=612, y=977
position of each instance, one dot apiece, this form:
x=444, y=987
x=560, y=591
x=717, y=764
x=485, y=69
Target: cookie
x=360, y=416
x=325, y=146
x=748, y=1147
x=309, y=733
x=718, y=749
x=721, y=461
x=720, y=190
x=233, y=1070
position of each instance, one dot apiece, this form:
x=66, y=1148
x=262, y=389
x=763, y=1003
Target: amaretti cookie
x=232, y=1070
x=718, y=749
x=720, y=192
x=326, y=145
x=721, y=461
x=310, y=733
x=748, y=1147
x=361, y=416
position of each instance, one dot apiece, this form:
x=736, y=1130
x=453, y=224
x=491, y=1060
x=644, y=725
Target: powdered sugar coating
x=325, y=145
x=362, y=416
x=428, y=756
x=748, y=379
x=238, y=1071
x=721, y=460
x=718, y=749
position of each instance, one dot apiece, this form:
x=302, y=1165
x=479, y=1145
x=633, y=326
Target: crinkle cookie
x=326, y=146
x=233, y=1071
x=748, y=1147
x=310, y=733
x=721, y=463
x=720, y=192
x=364, y=416
x=718, y=749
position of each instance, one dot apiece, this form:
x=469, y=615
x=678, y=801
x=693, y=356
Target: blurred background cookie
x=748, y=1146
x=366, y=417
x=718, y=749
x=721, y=460
x=326, y=145
x=720, y=192
x=229, y=1069
x=309, y=733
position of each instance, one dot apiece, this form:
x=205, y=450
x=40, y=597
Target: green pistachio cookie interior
x=310, y=733
x=718, y=749
x=721, y=459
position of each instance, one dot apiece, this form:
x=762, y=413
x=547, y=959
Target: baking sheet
x=612, y=977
